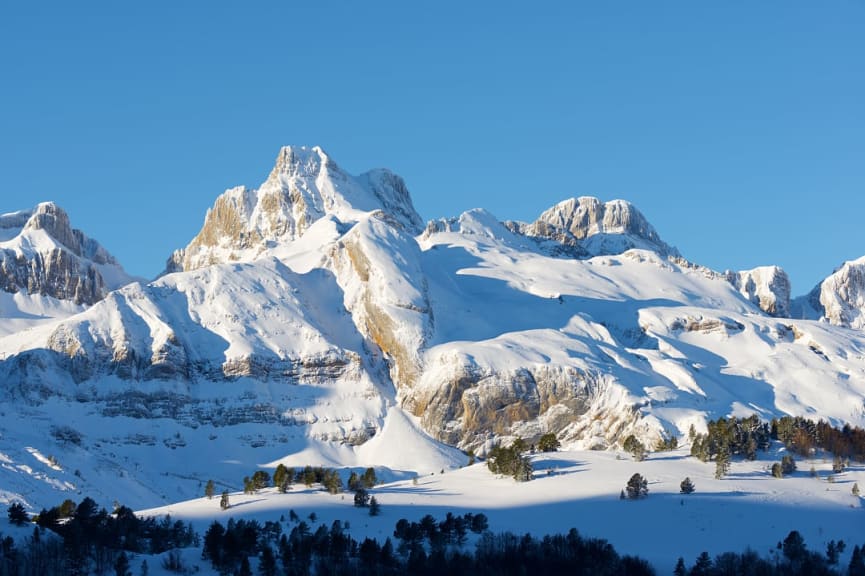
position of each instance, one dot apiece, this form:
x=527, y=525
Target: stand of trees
x=84, y=539
x=733, y=436
x=511, y=461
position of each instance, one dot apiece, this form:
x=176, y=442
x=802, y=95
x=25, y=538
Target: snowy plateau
x=317, y=320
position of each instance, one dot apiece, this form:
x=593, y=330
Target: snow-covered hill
x=314, y=319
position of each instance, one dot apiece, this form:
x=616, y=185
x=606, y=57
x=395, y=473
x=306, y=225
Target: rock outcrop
x=767, y=286
x=839, y=299
x=595, y=228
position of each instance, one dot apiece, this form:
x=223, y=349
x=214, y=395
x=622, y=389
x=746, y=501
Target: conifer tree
x=686, y=487
x=17, y=514
x=374, y=507
x=223, y=501
x=855, y=489
x=209, y=489
x=637, y=487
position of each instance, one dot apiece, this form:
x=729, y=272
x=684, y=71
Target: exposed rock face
x=304, y=185
x=596, y=228
x=839, y=299
x=767, y=286
x=40, y=253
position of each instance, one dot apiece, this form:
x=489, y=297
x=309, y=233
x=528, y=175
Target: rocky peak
x=596, y=227
x=766, y=286
x=303, y=186
x=839, y=299
x=41, y=253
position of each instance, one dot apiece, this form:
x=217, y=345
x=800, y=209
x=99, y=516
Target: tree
x=777, y=471
x=548, y=443
x=788, y=464
x=267, y=561
x=121, y=565
x=223, y=502
x=523, y=471
x=680, y=569
x=369, y=479
x=209, y=489
x=361, y=498
x=374, y=507
x=722, y=464
x=794, y=547
x=283, y=477
x=686, y=487
x=637, y=487
x=17, y=514
x=260, y=480
x=855, y=489
x=703, y=566
x=635, y=448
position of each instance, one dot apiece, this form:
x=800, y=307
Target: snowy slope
x=747, y=509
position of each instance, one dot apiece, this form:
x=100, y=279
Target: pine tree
x=637, y=487
x=703, y=566
x=548, y=443
x=223, y=501
x=777, y=471
x=855, y=489
x=245, y=570
x=686, y=487
x=635, y=448
x=267, y=562
x=788, y=464
x=121, y=565
x=369, y=479
x=374, y=507
x=680, y=569
x=282, y=478
x=17, y=514
x=361, y=498
x=857, y=563
x=722, y=463
x=209, y=489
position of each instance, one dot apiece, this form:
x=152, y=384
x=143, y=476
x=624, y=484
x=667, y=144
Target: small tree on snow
x=223, y=501
x=17, y=514
x=855, y=490
x=635, y=448
x=374, y=507
x=361, y=498
x=686, y=487
x=209, y=489
x=637, y=487
x=548, y=443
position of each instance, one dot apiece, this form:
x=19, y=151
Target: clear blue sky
x=737, y=127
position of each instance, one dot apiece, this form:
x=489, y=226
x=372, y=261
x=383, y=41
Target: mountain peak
x=304, y=186
x=300, y=161
x=595, y=227
x=41, y=253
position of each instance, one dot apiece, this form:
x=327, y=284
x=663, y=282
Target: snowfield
x=580, y=489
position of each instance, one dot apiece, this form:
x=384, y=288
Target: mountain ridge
x=317, y=308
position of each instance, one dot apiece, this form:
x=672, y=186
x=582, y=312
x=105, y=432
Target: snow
x=747, y=509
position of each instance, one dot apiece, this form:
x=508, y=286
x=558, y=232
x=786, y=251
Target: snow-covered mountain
x=48, y=269
x=839, y=299
x=315, y=318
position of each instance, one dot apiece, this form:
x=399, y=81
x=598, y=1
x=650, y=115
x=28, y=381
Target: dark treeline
x=425, y=547
x=732, y=436
x=82, y=539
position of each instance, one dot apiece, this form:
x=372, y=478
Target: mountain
x=49, y=269
x=595, y=228
x=316, y=320
x=304, y=186
x=839, y=299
